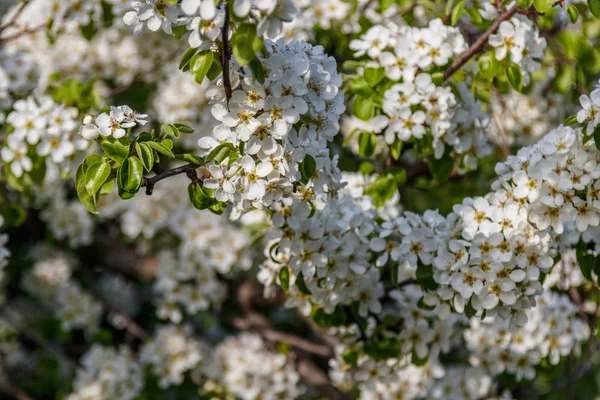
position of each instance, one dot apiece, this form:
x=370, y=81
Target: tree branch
x=309, y=372
x=10, y=384
x=149, y=183
x=131, y=326
x=15, y=16
x=226, y=54
x=34, y=337
x=480, y=42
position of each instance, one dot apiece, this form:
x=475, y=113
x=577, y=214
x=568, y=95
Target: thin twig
x=34, y=337
x=226, y=55
x=480, y=42
x=131, y=326
x=312, y=375
x=15, y=16
x=10, y=384
x=149, y=183
x=25, y=31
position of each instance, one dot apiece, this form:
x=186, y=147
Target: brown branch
x=226, y=54
x=479, y=43
x=301, y=348
x=24, y=32
x=188, y=169
x=16, y=16
x=10, y=385
x=130, y=325
x=34, y=337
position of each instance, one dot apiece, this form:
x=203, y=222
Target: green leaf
x=596, y=135
x=572, y=120
x=525, y=4
x=442, y=168
x=190, y=158
x=116, y=149
x=336, y=318
x=543, y=5
x=284, y=278
x=200, y=198
x=89, y=202
x=145, y=154
x=488, y=65
x=572, y=13
x=178, y=31
x=307, y=167
x=350, y=357
x=419, y=362
x=14, y=215
x=245, y=43
x=382, y=189
x=159, y=147
x=170, y=130
x=383, y=348
x=396, y=149
x=301, y=285
x=95, y=176
x=183, y=128
x=107, y=188
x=361, y=87
x=457, y=12
x=184, y=64
x=425, y=277
x=385, y=4
x=200, y=64
x=515, y=77
x=594, y=6
x=367, y=142
x=374, y=75
x=258, y=71
x=215, y=70
x=220, y=153
x=363, y=107
x=130, y=174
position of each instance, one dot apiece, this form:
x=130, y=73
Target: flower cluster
x=518, y=41
x=50, y=281
x=250, y=371
x=302, y=85
x=114, y=124
x=18, y=76
x=416, y=107
x=171, y=354
x=40, y=127
x=203, y=19
x=187, y=275
x=553, y=330
x=107, y=373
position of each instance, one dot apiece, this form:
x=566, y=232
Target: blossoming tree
x=280, y=199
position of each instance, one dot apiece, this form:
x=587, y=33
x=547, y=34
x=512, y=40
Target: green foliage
x=307, y=168
x=129, y=175
x=200, y=64
x=245, y=43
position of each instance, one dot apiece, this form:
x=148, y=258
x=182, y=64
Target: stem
x=15, y=16
x=225, y=54
x=149, y=183
x=480, y=42
x=34, y=337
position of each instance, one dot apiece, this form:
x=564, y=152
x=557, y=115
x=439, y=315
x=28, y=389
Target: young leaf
x=525, y=4
x=457, y=12
x=145, y=154
x=284, y=278
x=396, y=149
x=245, y=43
x=374, y=75
x=159, y=147
x=594, y=6
x=184, y=64
x=219, y=153
x=89, y=202
x=95, y=176
x=170, y=130
x=130, y=174
x=515, y=77
x=366, y=144
x=543, y=5
x=363, y=107
x=307, y=167
x=572, y=13
x=116, y=149
x=200, y=64
x=199, y=197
